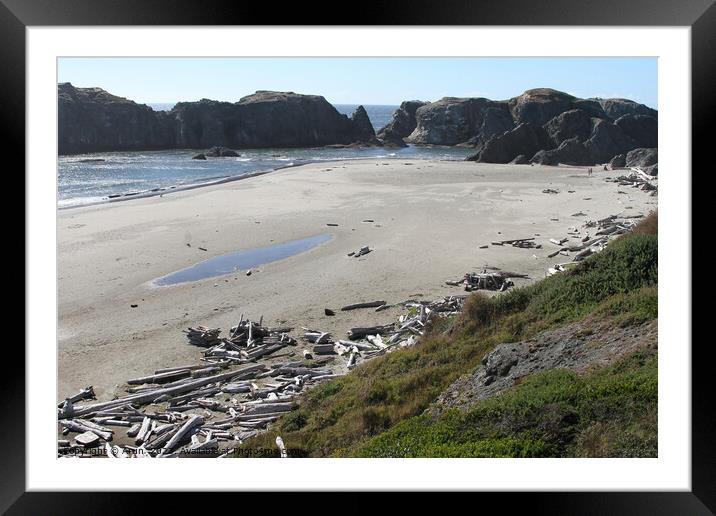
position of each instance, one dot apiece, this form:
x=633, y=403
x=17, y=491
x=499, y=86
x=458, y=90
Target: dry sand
x=430, y=219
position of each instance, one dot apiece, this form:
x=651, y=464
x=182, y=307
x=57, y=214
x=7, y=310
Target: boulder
x=606, y=141
x=199, y=156
x=643, y=129
x=540, y=105
x=570, y=152
x=222, y=152
x=643, y=158
x=618, y=161
x=525, y=139
x=451, y=120
x=390, y=138
x=616, y=108
x=403, y=121
x=570, y=124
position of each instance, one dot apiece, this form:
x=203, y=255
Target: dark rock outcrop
x=615, y=108
x=643, y=129
x=607, y=140
x=495, y=122
x=451, y=120
x=403, y=122
x=569, y=152
x=390, y=138
x=265, y=119
x=539, y=105
x=618, y=161
x=90, y=120
x=570, y=124
x=199, y=156
x=642, y=157
x=591, y=107
x=363, y=129
x=645, y=159
x=526, y=138
x=222, y=152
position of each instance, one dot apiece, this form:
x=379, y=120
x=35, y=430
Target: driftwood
x=281, y=447
x=184, y=432
x=144, y=397
x=359, y=332
x=370, y=304
x=86, y=393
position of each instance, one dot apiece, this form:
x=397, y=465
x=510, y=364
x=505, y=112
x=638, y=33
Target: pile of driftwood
x=591, y=237
x=524, y=243
x=237, y=390
x=496, y=280
x=637, y=178
x=366, y=342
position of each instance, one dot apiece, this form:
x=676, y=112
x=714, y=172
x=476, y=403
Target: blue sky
x=362, y=80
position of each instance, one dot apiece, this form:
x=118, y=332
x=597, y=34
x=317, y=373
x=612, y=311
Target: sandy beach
x=429, y=220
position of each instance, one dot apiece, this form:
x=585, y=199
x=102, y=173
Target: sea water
x=99, y=177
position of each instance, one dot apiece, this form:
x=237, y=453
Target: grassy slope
x=342, y=417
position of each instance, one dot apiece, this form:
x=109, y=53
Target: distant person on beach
x=589, y=171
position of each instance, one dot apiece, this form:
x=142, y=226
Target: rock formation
x=541, y=125
x=451, y=120
x=643, y=129
x=646, y=159
x=90, y=120
x=222, y=152
x=615, y=108
x=527, y=138
x=403, y=122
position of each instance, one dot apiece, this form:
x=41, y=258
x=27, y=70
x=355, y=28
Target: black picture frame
x=700, y=15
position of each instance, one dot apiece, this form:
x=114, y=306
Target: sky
x=362, y=80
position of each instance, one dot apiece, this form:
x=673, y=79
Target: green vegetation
x=552, y=414
x=609, y=413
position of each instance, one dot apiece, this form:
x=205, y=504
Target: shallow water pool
x=247, y=259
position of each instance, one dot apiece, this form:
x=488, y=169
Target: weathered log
x=144, y=431
x=322, y=349
x=360, y=332
x=86, y=393
x=80, y=426
x=263, y=408
x=169, y=376
x=184, y=432
x=178, y=389
x=370, y=304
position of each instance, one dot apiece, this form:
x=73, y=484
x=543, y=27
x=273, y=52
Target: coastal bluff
x=93, y=120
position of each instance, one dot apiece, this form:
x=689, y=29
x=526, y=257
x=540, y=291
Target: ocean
x=116, y=174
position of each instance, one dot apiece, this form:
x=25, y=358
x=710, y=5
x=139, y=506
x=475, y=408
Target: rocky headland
x=93, y=120
x=541, y=126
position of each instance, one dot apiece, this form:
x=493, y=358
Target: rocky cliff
x=542, y=126
x=90, y=119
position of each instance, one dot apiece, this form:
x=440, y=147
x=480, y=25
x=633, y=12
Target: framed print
x=416, y=252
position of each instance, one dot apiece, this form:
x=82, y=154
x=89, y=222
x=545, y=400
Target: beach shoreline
x=428, y=219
